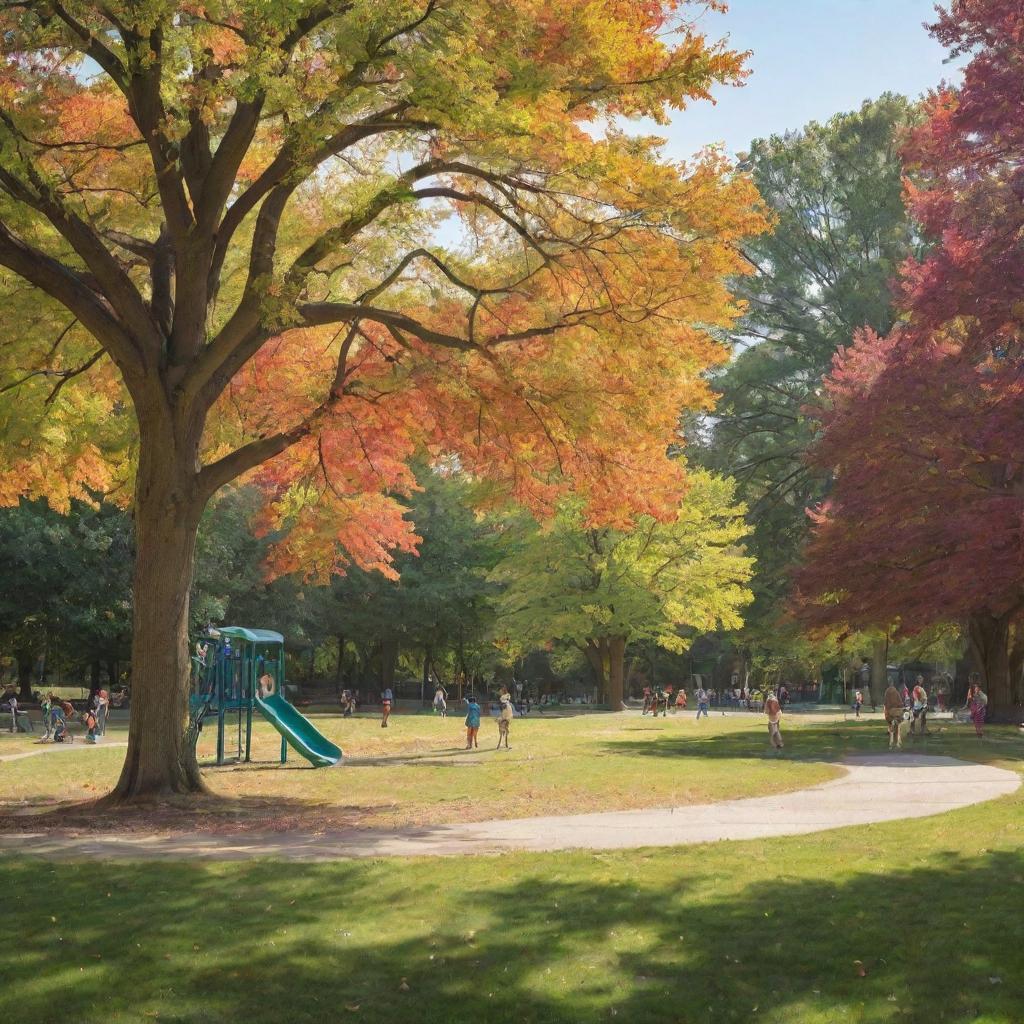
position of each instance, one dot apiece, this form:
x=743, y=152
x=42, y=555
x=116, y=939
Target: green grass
x=416, y=771
x=757, y=931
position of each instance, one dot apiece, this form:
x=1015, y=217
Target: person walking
x=504, y=717
x=892, y=704
x=864, y=679
x=102, y=707
x=472, y=722
x=441, y=701
x=44, y=705
x=12, y=705
x=386, y=699
x=919, y=706
x=702, y=702
x=773, y=709
x=977, y=704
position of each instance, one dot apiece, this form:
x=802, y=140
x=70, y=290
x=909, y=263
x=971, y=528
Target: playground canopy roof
x=256, y=636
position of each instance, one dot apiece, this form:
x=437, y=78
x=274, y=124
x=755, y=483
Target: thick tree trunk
x=593, y=650
x=989, y=637
x=26, y=666
x=388, y=661
x=616, y=671
x=425, y=687
x=339, y=668
x=879, y=672
x=159, y=761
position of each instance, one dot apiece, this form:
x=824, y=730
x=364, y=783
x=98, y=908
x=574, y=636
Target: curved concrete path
x=60, y=748
x=874, y=789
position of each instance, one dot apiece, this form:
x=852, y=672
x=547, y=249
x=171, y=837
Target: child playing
x=44, y=705
x=58, y=718
x=472, y=722
x=90, y=722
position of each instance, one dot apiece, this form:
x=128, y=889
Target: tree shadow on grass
x=827, y=741
x=210, y=814
x=546, y=941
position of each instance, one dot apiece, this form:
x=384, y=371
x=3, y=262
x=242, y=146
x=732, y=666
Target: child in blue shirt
x=472, y=722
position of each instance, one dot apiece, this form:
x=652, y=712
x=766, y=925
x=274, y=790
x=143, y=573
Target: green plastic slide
x=299, y=731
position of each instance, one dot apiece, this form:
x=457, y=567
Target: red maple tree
x=924, y=429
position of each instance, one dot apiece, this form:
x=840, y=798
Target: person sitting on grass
x=472, y=722
x=773, y=709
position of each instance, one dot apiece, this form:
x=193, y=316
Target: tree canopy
x=840, y=233
x=598, y=588
x=230, y=219
x=923, y=426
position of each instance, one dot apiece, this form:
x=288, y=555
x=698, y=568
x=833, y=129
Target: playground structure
x=226, y=670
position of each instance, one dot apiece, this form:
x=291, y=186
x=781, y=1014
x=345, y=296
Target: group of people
x=911, y=705
x=57, y=713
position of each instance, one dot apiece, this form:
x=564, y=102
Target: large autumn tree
x=304, y=240
x=924, y=426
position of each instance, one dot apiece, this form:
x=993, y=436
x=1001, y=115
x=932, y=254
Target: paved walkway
x=62, y=748
x=874, y=789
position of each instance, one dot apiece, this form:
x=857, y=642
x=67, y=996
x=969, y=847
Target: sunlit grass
x=417, y=771
x=776, y=931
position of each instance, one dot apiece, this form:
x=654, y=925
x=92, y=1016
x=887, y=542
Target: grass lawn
x=929, y=910
x=416, y=772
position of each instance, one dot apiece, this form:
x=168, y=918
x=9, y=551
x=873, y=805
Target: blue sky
x=811, y=59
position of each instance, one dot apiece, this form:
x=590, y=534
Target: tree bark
x=879, y=672
x=26, y=666
x=339, y=669
x=594, y=652
x=388, y=661
x=425, y=681
x=616, y=671
x=167, y=509
x=989, y=637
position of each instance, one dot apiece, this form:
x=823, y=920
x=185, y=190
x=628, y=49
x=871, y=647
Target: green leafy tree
x=439, y=609
x=841, y=231
x=598, y=588
x=67, y=583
